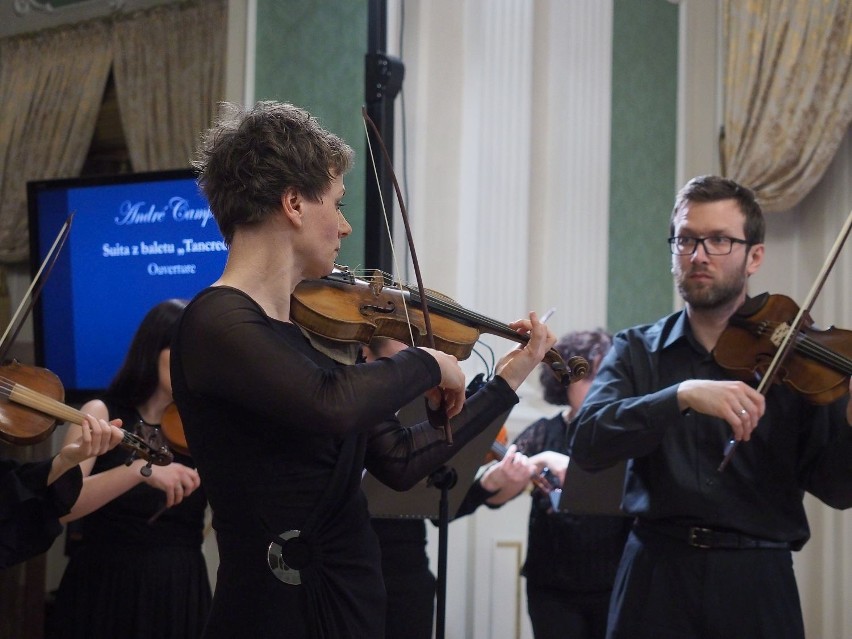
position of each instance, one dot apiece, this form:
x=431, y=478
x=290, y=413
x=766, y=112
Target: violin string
x=387, y=227
x=56, y=409
x=459, y=312
x=37, y=401
x=455, y=311
x=451, y=308
x=825, y=355
x=814, y=349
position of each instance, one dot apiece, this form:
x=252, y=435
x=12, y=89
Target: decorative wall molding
x=23, y=7
x=28, y=16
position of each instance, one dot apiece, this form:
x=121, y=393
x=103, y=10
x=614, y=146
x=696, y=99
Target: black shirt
x=631, y=412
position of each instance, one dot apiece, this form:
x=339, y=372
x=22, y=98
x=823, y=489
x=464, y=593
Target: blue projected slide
x=132, y=245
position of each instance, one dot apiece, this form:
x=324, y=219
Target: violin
x=172, y=428
x=820, y=361
x=34, y=405
x=799, y=352
x=546, y=481
x=498, y=448
x=345, y=308
x=34, y=395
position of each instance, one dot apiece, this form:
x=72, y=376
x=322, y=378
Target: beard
x=709, y=296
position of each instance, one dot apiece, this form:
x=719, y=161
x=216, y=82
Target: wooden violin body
x=172, y=429
x=33, y=404
x=818, y=366
x=344, y=308
x=20, y=423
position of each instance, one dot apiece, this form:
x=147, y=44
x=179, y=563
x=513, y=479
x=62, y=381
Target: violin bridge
x=780, y=334
x=377, y=282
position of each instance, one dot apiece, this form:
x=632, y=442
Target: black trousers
x=560, y=614
x=667, y=589
x=411, y=606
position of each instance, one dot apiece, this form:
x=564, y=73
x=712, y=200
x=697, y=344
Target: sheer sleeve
x=231, y=350
x=530, y=441
x=400, y=457
x=30, y=510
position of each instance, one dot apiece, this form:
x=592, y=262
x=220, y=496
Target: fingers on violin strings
x=522, y=326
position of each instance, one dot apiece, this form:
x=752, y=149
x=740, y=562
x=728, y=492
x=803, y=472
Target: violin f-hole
x=387, y=309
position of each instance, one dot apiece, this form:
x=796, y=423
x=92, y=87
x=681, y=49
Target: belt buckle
x=693, y=539
x=276, y=562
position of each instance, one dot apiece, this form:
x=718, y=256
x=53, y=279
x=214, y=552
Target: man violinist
x=710, y=551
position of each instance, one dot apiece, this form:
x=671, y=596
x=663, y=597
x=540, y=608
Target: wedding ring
x=743, y=412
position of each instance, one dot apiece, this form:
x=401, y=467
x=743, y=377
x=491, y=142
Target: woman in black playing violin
x=137, y=570
x=281, y=431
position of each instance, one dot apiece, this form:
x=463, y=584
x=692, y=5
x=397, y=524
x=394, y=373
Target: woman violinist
x=137, y=570
x=281, y=431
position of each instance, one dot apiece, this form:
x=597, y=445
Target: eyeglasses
x=713, y=245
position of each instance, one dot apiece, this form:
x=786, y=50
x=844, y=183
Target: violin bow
x=789, y=339
x=29, y=298
x=427, y=321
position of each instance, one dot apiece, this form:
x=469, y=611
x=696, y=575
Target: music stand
x=599, y=493
x=453, y=480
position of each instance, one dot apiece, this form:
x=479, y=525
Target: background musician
x=136, y=569
x=571, y=559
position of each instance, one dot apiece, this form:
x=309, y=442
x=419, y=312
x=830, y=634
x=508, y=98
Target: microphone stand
x=444, y=479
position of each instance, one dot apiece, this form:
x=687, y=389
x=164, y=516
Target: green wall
x=642, y=165
x=311, y=53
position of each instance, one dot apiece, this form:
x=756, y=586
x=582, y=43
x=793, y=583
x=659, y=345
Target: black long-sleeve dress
x=281, y=434
x=30, y=509
x=137, y=570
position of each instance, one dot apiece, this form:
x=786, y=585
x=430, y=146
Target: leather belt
x=708, y=538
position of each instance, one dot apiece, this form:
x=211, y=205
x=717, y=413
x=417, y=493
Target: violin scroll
x=578, y=368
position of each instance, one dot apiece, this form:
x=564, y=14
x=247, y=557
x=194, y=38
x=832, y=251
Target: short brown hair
x=247, y=161
x=712, y=188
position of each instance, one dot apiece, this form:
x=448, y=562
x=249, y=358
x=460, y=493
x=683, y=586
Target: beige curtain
x=51, y=86
x=788, y=94
x=169, y=76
